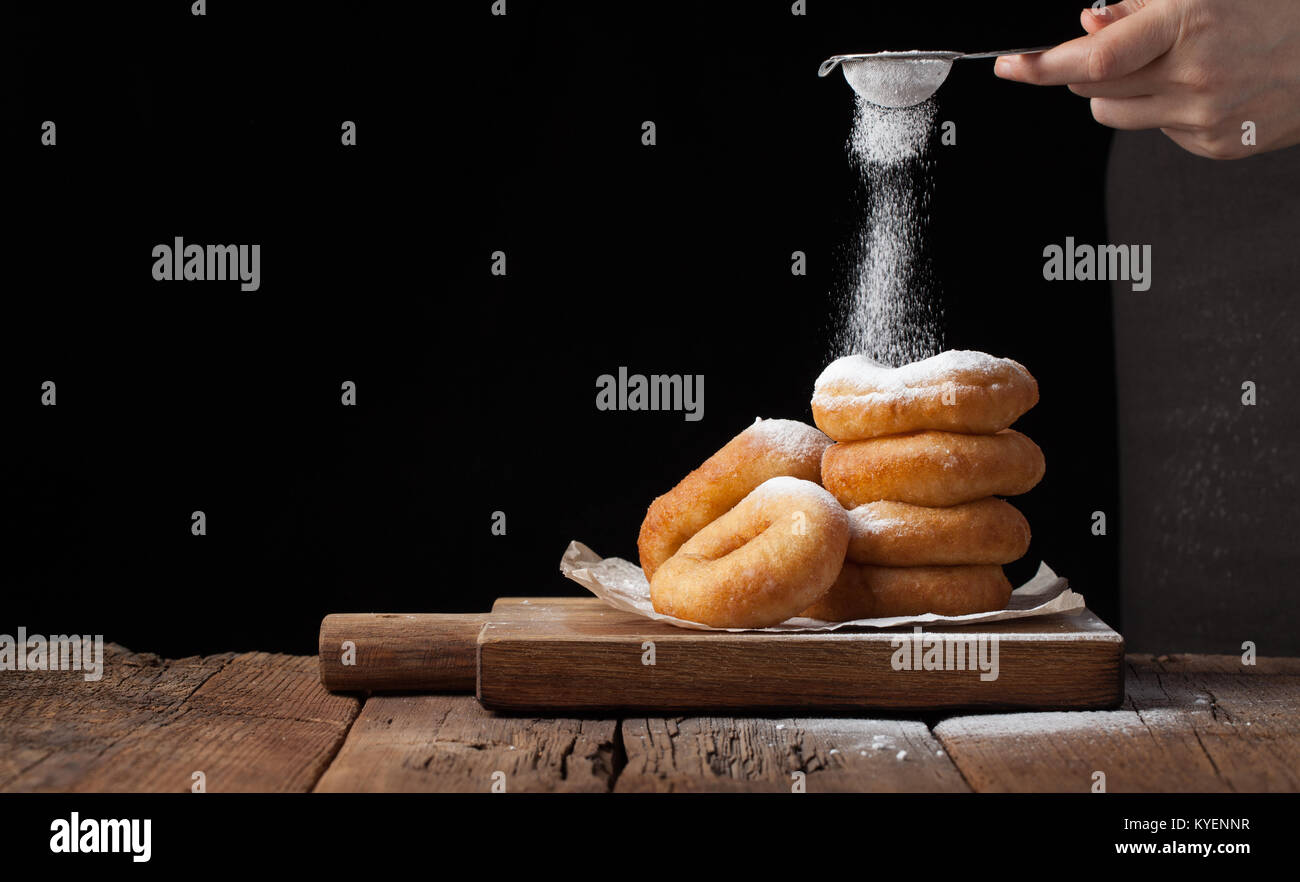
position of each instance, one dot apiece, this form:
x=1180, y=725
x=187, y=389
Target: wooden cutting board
x=580, y=655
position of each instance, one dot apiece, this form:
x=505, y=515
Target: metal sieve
x=902, y=79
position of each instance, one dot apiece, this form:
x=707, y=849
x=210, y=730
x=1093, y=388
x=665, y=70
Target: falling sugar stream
x=889, y=311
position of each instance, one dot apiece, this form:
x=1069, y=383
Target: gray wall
x=1209, y=487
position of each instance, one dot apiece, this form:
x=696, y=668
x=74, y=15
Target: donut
x=857, y=397
x=762, y=562
x=848, y=598
x=767, y=449
x=932, y=468
x=898, y=534
x=866, y=592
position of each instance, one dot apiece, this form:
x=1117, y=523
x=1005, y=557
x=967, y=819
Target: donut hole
x=732, y=542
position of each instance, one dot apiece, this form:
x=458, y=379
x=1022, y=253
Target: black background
x=476, y=393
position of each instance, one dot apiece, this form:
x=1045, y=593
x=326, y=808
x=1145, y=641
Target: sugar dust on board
x=889, y=312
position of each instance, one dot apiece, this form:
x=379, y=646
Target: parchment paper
x=622, y=585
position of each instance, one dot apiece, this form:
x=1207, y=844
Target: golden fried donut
x=767, y=449
x=955, y=391
x=848, y=598
x=759, y=564
x=932, y=468
x=896, y=534
x=865, y=592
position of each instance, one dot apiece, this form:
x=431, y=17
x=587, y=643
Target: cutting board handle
x=431, y=652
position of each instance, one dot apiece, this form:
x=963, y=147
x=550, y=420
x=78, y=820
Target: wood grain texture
x=449, y=743
x=1190, y=724
x=582, y=655
x=262, y=722
x=400, y=651
x=414, y=652
x=711, y=754
x=249, y=722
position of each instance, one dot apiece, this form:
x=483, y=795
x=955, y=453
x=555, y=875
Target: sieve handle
x=1033, y=51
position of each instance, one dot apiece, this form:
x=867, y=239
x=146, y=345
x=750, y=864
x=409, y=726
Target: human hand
x=1219, y=77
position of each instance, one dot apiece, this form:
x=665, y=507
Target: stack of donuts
x=921, y=454
x=892, y=511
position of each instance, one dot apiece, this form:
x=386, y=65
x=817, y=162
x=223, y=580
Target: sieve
x=902, y=79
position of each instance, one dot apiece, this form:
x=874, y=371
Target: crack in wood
x=617, y=757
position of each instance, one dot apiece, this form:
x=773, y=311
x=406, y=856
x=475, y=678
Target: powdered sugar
x=900, y=80
x=889, y=313
x=787, y=486
x=790, y=437
x=888, y=136
x=1041, y=723
x=782, y=485
x=862, y=375
x=866, y=519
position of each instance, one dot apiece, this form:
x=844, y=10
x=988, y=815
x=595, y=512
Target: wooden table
x=260, y=722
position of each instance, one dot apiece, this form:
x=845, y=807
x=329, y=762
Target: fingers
x=1146, y=81
x=1128, y=42
x=1125, y=68
x=1142, y=112
x=1209, y=145
x=1186, y=140
x=1199, y=129
x=1149, y=80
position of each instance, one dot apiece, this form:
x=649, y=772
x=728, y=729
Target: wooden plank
x=1245, y=719
x=581, y=655
x=417, y=652
x=1191, y=724
x=709, y=754
x=249, y=722
x=1218, y=664
x=55, y=725
x=449, y=743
